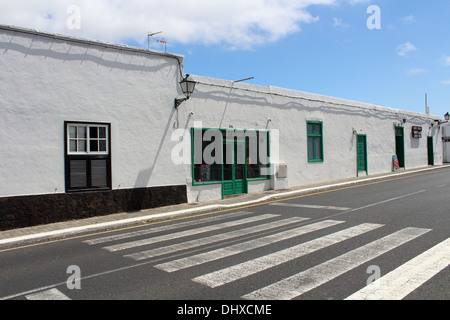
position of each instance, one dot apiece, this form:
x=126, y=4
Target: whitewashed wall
x=224, y=104
x=46, y=80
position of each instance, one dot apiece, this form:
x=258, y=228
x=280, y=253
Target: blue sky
x=318, y=46
x=339, y=56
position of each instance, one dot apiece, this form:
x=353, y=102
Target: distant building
x=90, y=128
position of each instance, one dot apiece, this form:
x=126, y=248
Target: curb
x=131, y=221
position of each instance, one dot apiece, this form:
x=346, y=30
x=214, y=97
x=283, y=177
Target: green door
x=430, y=151
x=234, y=168
x=361, y=153
x=400, y=146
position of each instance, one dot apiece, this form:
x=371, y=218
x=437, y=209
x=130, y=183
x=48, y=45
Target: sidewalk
x=57, y=230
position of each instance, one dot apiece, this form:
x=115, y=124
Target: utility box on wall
x=282, y=171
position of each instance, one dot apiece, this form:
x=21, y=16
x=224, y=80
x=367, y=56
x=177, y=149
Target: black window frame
x=87, y=156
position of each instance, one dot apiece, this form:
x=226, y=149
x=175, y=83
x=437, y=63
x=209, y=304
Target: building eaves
x=89, y=42
x=306, y=96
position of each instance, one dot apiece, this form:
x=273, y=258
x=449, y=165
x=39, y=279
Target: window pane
x=78, y=175
x=93, y=132
x=102, y=146
x=93, y=145
x=310, y=148
x=317, y=129
x=81, y=145
x=73, y=146
x=310, y=129
x=99, y=173
x=318, y=148
x=102, y=132
x=82, y=132
x=72, y=132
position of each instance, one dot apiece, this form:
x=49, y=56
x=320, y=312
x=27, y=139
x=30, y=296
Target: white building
x=90, y=128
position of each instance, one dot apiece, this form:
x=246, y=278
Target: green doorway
x=430, y=151
x=361, y=153
x=234, y=168
x=400, y=146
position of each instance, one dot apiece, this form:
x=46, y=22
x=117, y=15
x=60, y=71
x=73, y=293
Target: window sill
x=88, y=190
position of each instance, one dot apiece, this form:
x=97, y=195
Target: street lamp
x=447, y=116
x=188, y=87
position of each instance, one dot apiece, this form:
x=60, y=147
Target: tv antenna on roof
x=151, y=35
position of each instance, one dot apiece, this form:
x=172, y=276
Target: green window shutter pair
x=315, y=141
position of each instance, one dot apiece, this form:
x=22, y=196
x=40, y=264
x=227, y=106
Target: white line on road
x=405, y=279
x=308, y=206
x=172, y=236
x=201, y=258
x=386, y=201
x=212, y=239
x=254, y=266
x=165, y=228
x=52, y=294
x=307, y=280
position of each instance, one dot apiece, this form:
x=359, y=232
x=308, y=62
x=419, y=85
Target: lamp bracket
x=178, y=102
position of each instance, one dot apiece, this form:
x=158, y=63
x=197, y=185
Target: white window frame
x=87, y=138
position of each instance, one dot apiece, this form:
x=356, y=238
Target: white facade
x=224, y=104
x=50, y=82
x=45, y=81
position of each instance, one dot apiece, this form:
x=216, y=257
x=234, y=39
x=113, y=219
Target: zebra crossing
x=229, y=235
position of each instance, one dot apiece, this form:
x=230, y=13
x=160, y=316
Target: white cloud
x=408, y=19
x=405, y=48
x=446, y=60
x=235, y=23
x=339, y=23
x=415, y=71
x=358, y=1
x=446, y=82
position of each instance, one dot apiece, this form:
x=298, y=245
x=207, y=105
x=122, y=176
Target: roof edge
x=302, y=95
x=88, y=41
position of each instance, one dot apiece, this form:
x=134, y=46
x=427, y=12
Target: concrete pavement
x=57, y=230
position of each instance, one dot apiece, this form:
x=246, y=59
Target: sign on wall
x=416, y=132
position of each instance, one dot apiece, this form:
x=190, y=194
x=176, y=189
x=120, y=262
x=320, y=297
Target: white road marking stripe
x=308, y=206
x=254, y=266
x=400, y=282
x=386, y=201
x=52, y=294
x=172, y=236
x=191, y=261
x=212, y=239
x=164, y=228
x=307, y=280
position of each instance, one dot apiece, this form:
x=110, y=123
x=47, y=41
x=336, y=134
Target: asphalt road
x=329, y=245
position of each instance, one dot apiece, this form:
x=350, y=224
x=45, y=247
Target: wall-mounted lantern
x=447, y=116
x=188, y=87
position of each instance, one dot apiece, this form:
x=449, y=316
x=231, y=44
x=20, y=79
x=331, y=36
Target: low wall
x=27, y=211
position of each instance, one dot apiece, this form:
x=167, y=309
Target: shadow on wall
x=140, y=198
x=86, y=56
